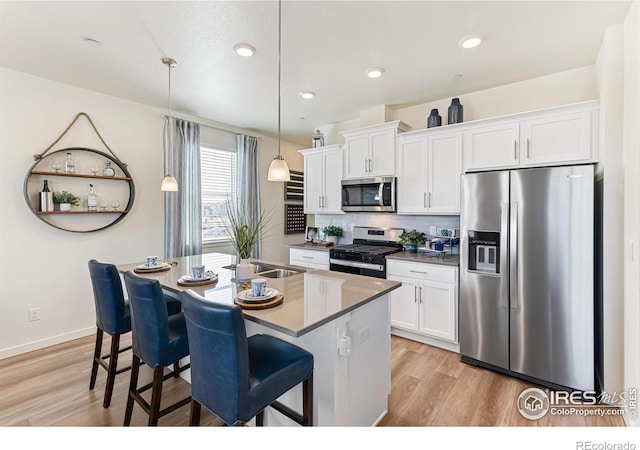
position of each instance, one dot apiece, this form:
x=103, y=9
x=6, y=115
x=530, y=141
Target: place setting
x=259, y=296
x=198, y=277
x=153, y=265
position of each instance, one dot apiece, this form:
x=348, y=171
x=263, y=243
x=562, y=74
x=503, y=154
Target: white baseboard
x=426, y=340
x=43, y=343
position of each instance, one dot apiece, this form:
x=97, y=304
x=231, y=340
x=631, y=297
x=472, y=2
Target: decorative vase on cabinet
x=434, y=120
x=455, y=111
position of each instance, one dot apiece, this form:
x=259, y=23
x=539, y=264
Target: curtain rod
x=210, y=126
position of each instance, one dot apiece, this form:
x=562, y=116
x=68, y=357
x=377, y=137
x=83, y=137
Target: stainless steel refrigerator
x=527, y=274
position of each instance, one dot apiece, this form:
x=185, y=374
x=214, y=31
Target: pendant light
x=169, y=183
x=279, y=170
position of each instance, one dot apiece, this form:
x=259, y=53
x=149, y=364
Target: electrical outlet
x=364, y=334
x=433, y=231
x=34, y=314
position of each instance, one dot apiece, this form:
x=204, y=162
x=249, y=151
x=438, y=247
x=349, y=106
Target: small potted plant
x=65, y=199
x=332, y=233
x=411, y=239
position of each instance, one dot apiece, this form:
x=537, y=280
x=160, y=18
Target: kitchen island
x=342, y=319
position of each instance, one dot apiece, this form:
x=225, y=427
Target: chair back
x=149, y=319
x=111, y=313
x=219, y=356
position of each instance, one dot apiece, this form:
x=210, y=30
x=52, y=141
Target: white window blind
x=218, y=178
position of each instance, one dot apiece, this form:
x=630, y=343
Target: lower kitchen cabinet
x=425, y=308
x=313, y=259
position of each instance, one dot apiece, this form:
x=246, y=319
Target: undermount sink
x=277, y=273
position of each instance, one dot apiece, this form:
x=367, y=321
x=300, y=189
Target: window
x=218, y=178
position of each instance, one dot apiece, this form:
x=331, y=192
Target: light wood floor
x=430, y=387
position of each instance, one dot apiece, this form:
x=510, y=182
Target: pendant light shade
x=279, y=170
x=169, y=183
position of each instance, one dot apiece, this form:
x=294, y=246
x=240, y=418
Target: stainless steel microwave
x=369, y=195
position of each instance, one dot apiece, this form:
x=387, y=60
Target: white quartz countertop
x=311, y=247
x=421, y=257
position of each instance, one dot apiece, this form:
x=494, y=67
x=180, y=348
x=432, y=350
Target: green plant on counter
x=333, y=230
x=413, y=237
x=244, y=232
x=66, y=197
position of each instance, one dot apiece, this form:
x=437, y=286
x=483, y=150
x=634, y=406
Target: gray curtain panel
x=249, y=182
x=183, y=209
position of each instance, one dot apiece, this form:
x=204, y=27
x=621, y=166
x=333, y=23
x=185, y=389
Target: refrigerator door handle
x=513, y=256
x=504, y=276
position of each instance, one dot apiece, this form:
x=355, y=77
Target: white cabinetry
x=429, y=169
x=322, y=177
x=369, y=152
x=425, y=308
x=314, y=259
x=555, y=136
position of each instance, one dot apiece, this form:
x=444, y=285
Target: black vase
x=434, y=120
x=455, y=111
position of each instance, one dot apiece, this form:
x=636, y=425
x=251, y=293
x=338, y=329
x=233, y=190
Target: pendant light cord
x=279, y=70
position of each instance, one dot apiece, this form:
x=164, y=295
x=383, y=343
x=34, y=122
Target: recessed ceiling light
x=92, y=41
x=471, y=41
x=375, y=72
x=245, y=50
x=307, y=94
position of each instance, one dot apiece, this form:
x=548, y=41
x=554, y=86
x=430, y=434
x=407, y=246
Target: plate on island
x=160, y=265
x=247, y=295
x=190, y=279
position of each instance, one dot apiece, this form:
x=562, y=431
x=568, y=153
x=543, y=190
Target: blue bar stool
x=236, y=377
x=112, y=317
x=159, y=340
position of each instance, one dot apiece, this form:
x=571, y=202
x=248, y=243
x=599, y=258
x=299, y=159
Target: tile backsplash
x=420, y=223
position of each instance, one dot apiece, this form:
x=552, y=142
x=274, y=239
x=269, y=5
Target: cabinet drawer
x=422, y=271
x=305, y=257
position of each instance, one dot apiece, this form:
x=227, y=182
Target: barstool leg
x=135, y=369
x=156, y=395
x=260, y=419
x=194, y=416
x=176, y=369
x=111, y=372
x=96, y=357
x=307, y=401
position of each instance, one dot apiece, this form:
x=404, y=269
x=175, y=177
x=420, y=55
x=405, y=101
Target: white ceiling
x=326, y=47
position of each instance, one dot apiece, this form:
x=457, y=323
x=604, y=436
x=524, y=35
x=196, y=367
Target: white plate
x=246, y=296
x=160, y=265
x=190, y=279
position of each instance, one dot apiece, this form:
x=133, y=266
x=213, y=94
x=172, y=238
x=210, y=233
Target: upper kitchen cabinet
x=555, y=136
x=369, y=152
x=429, y=169
x=322, y=178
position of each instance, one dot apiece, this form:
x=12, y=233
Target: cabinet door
x=404, y=304
x=438, y=310
x=444, y=169
x=382, y=154
x=557, y=139
x=491, y=147
x=412, y=176
x=356, y=157
x=313, y=182
x=332, y=198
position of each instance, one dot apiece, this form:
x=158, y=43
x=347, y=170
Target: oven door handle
x=359, y=265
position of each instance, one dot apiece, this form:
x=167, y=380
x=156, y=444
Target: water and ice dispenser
x=484, y=251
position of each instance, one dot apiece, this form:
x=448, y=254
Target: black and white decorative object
x=434, y=120
x=455, y=111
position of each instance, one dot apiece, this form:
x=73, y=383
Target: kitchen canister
x=434, y=120
x=455, y=111
x=318, y=139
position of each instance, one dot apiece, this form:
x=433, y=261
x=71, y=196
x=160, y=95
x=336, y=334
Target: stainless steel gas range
x=366, y=256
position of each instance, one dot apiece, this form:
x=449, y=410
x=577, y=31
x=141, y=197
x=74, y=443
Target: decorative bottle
x=455, y=111
x=46, y=198
x=434, y=120
x=92, y=200
x=69, y=164
x=318, y=139
x=108, y=170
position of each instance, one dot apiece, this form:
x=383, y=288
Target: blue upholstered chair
x=159, y=340
x=113, y=318
x=237, y=378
